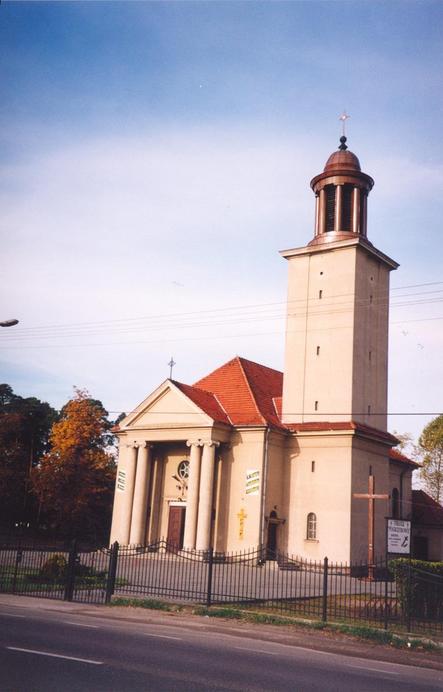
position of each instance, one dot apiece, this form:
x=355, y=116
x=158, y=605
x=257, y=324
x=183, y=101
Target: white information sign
x=252, y=481
x=399, y=536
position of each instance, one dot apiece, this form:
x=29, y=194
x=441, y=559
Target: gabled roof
x=246, y=391
x=425, y=510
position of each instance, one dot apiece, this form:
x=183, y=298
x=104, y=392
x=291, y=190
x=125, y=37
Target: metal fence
x=411, y=599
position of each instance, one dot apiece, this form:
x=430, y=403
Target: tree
x=74, y=481
x=430, y=445
x=24, y=433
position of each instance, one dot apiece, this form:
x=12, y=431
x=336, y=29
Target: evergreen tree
x=24, y=431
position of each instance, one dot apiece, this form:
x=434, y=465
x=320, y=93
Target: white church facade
x=251, y=456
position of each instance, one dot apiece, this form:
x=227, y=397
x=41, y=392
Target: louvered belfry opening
x=330, y=207
x=346, y=210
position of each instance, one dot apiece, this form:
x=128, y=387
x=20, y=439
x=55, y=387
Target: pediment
x=167, y=405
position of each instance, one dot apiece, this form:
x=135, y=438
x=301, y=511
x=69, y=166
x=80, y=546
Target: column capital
x=133, y=445
x=210, y=443
x=196, y=443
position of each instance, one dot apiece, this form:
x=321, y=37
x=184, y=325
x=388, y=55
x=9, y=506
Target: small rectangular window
x=316, y=406
x=318, y=350
x=370, y=299
x=320, y=295
x=369, y=410
x=370, y=355
x=312, y=466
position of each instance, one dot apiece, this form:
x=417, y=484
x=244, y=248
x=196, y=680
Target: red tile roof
x=395, y=455
x=242, y=392
x=204, y=400
x=246, y=391
x=425, y=510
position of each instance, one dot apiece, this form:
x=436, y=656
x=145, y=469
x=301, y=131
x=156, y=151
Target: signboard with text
x=121, y=481
x=252, y=482
x=399, y=536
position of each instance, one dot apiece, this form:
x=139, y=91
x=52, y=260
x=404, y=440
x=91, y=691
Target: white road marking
x=373, y=670
x=46, y=653
x=10, y=615
x=79, y=624
x=162, y=636
x=257, y=651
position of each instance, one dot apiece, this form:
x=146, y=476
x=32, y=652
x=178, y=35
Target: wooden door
x=271, y=547
x=176, y=527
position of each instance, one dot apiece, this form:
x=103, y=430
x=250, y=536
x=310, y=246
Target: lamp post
x=8, y=323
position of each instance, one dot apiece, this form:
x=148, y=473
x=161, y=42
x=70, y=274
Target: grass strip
x=229, y=613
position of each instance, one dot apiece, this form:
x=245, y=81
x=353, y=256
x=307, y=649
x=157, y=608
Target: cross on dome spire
x=344, y=117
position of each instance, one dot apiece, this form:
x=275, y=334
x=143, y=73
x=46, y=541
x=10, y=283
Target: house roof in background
x=425, y=510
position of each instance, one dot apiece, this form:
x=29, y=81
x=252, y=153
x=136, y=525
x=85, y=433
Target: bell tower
x=338, y=306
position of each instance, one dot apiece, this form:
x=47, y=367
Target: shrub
x=419, y=587
x=55, y=568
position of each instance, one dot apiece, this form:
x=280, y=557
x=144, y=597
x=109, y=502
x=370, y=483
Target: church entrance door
x=176, y=526
x=271, y=545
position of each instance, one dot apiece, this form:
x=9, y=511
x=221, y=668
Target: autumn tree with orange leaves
x=74, y=481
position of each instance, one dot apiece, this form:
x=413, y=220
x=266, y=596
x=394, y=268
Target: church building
x=248, y=455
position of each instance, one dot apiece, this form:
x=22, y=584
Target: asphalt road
x=66, y=652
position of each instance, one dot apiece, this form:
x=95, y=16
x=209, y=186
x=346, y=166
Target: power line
x=162, y=318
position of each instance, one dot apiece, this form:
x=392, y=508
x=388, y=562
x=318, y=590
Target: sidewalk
x=321, y=640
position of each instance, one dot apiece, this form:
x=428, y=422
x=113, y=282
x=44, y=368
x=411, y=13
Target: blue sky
x=154, y=157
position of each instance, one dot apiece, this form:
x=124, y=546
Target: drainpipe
x=264, y=480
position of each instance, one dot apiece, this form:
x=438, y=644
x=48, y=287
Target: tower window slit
x=330, y=207
x=316, y=406
x=318, y=350
x=346, y=214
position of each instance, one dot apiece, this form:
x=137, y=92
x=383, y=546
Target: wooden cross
x=370, y=496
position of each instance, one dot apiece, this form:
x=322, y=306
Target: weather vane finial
x=171, y=365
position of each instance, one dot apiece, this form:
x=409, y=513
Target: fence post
x=409, y=596
x=209, y=584
x=70, y=573
x=112, y=571
x=386, y=598
x=325, y=590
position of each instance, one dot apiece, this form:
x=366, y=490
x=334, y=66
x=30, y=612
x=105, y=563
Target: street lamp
x=8, y=323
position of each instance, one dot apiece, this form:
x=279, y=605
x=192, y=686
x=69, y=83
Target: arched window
x=395, y=504
x=311, y=527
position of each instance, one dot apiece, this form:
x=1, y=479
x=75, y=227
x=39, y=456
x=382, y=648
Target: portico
x=146, y=474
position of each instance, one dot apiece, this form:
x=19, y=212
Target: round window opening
x=183, y=470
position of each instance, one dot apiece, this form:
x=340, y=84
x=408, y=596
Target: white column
x=192, y=496
x=206, y=494
x=364, y=221
x=155, y=499
x=128, y=495
x=317, y=215
x=139, y=505
x=322, y=212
